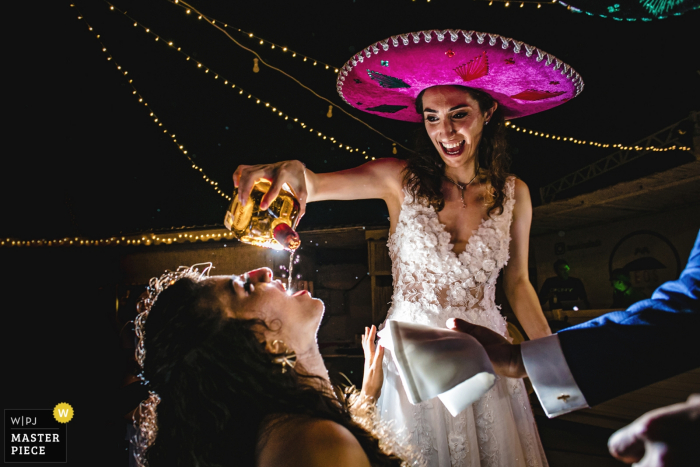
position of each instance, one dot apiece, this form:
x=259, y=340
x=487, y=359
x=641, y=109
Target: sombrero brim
x=385, y=78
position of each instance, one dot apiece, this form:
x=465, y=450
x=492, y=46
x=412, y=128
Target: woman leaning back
x=236, y=378
x=474, y=218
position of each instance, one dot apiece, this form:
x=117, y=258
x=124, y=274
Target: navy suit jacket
x=651, y=341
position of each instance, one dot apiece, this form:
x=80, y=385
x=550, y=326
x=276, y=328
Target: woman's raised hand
x=289, y=172
x=374, y=373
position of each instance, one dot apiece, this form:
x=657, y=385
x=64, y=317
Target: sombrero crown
x=385, y=78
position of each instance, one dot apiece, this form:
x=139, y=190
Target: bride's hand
x=289, y=172
x=374, y=373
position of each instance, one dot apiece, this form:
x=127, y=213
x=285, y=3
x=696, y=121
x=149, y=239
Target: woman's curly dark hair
x=217, y=384
x=424, y=173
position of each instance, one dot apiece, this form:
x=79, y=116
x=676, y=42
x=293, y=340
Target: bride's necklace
x=461, y=187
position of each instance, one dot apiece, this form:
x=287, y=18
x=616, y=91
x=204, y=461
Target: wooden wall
x=590, y=250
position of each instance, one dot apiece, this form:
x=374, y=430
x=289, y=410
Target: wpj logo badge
x=37, y=435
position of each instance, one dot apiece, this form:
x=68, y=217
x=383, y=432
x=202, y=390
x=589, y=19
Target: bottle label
x=228, y=220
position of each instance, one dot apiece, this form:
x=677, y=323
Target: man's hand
x=665, y=437
x=374, y=373
x=505, y=357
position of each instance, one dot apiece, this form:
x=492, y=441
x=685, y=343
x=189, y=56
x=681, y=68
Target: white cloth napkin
x=438, y=362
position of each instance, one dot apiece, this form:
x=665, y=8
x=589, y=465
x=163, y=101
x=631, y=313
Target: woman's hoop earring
x=283, y=355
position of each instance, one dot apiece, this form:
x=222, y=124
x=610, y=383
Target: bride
x=456, y=216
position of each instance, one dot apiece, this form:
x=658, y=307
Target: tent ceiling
x=665, y=191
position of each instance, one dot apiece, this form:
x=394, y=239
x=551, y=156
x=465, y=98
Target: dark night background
x=87, y=160
x=83, y=158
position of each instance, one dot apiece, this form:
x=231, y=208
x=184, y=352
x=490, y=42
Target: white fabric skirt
x=498, y=430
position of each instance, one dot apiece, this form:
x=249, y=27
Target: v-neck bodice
x=432, y=282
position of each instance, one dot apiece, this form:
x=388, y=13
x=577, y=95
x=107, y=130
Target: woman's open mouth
x=299, y=292
x=452, y=149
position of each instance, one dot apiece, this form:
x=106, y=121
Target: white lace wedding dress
x=432, y=284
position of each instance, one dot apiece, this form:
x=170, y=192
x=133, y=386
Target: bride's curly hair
x=218, y=385
x=424, y=173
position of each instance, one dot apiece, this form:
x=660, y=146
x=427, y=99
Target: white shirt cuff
x=550, y=376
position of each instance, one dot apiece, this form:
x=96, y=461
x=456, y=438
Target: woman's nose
x=260, y=275
x=447, y=128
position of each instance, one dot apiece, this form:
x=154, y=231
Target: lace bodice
x=432, y=283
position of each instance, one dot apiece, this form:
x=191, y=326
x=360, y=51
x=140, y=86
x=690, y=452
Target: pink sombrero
x=385, y=78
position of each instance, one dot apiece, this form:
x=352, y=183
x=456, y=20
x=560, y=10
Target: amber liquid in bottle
x=271, y=228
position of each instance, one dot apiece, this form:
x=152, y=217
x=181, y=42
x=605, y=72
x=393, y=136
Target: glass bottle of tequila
x=271, y=228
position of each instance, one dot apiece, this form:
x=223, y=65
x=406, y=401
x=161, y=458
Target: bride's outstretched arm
x=519, y=290
x=380, y=179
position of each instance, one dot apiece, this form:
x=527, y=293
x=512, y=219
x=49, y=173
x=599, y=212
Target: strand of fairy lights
x=127, y=240
x=214, y=184
x=140, y=239
x=506, y=3
x=569, y=139
x=137, y=239
x=240, y=91
x=342, y=109
x=273, y=45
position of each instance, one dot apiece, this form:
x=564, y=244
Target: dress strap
x=510, y=187
x=509, y=201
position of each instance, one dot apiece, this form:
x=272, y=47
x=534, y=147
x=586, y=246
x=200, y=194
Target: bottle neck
x=286, y=236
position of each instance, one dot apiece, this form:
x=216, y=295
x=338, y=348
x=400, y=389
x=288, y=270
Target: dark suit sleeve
x=651, y=341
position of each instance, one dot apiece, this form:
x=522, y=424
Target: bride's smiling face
x=454, y=122
x=293, y=318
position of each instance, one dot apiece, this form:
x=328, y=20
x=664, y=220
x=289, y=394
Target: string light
x=265, y=42
x=136, y=239
x=230, y=85
x=539, y=3
x=341, y=109
x=569, y=139
x=152, y=114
